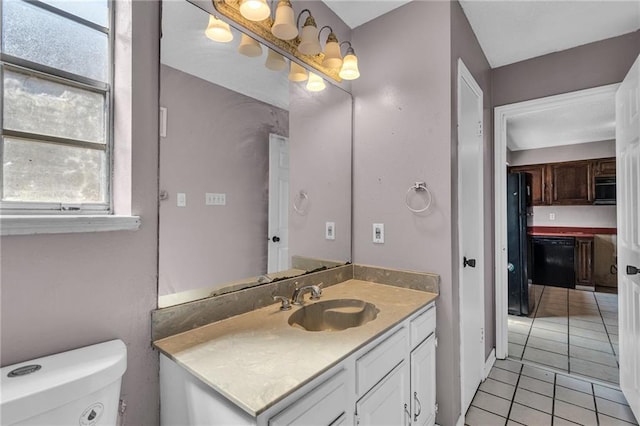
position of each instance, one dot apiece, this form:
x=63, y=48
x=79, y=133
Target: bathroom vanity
x=258, y=368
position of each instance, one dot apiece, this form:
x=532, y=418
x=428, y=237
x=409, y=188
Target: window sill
x=50, y=224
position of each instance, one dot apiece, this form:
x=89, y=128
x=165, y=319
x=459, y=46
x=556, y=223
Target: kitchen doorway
x=568, y=330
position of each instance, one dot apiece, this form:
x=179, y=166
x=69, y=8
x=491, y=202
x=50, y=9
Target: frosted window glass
x=43, y=172
x=36, y=105
x=96, y=11
x=37, y=35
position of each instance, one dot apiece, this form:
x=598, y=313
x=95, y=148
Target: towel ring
x=419, y=187
x=299, y=200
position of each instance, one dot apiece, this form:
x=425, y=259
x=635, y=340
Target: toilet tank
x=78, y=387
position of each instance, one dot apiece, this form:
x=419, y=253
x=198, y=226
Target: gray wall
x=60, y=292
x=320, y=148
x=591, y=65
x=464, y=45
x=217, y=141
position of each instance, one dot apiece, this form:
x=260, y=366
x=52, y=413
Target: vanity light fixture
x=301, y=44
x=284, y=26
x=349, y=70
x=275, y=61
x=309, y=37
x=315, y=83
x=218, y=30
x=297, y=72
x=332, y=56
x=255, y=10
x=249, y=47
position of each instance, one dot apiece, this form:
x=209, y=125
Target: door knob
x=470, y=262
x=275, y=239
x=632, y=270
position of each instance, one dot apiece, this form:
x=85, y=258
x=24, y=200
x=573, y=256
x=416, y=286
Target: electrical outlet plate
x=330, y=231
x=378, y=233
x=552, y=216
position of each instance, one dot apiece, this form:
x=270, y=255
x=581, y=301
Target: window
x=56, y=114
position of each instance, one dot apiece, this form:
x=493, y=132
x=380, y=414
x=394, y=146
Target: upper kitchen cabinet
x=605, y=167
x=567, y=183
x=571, y=183
x=538, y=174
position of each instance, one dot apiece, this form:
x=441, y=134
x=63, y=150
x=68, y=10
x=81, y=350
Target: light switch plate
x=378, y=233
x=181, y=199
x=214, y=199
x=330, y=231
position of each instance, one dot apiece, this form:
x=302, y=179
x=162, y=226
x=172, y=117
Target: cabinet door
x=423, y=383
x=584, y=257
x=322, y=406
x=538, y=172
x=605, y=167
x=572, y=183
x=387, y=403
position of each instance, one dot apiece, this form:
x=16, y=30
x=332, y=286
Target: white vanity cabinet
x=388, y=381
x=406, y=393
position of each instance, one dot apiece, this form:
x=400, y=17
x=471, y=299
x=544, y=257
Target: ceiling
x=515, y=30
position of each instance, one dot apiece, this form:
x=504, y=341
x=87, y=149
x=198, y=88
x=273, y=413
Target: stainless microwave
x=605, y=190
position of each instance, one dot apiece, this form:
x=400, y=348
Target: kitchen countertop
x=248, y=358
x=567, y=231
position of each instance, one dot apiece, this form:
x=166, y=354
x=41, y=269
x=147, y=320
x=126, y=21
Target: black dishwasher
x=554, y=261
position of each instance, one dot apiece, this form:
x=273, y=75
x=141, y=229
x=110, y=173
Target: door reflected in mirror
x=263, y=167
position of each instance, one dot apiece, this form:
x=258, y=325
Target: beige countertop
x=256, y=359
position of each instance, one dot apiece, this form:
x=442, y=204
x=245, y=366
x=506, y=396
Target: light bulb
x=249, y=47
x=297, y=72
x=255, y=10
x=275, y=61
x=332, y=55
x=284, y=26
x=315, y=83
x=218, y=30
x=309, y=44
x=349, y=70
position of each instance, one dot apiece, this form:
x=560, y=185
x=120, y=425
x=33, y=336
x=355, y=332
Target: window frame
x=55, y=75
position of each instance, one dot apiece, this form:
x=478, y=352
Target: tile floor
x=570, y=331
x=521, y=394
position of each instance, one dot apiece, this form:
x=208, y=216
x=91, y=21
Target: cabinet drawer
x=422, y=326
x=323, y=405
x=375, y=364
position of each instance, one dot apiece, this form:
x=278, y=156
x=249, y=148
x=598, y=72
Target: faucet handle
x=286, y=305
x=316, y=292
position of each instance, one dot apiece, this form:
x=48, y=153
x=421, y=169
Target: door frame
x=501, y=115
x=465, y=77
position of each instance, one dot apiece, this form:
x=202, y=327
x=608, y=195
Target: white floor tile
x=551, y=359
x=577, y=414
x=534, y=400
x=573, y=383
x=529, y=416
x=592, y=369
x=491, y=403
x=496, y=388
x=613, y=409
x=535, y=385
x=610, y=394
x=478, y=417
x=538, y=373
x=575, y=397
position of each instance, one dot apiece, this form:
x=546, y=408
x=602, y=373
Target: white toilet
x=78, y=387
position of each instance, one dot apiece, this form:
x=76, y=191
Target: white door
x=628, y=200
x=471, y=234
x=278, y=252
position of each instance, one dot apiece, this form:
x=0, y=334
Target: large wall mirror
x=255, y=171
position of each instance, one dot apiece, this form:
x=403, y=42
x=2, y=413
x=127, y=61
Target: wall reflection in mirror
x=255, y=171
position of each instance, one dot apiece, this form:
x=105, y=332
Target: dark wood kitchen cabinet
x=571, y=183
x=605, y=167
x=538, y=174
x=584, y=261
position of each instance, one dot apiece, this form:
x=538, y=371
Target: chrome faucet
x=298, y=294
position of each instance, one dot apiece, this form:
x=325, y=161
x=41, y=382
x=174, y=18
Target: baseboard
x=488, y=364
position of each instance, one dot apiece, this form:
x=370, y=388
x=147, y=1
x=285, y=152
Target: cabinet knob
x=275, y=239
x=632, y=270
x=468, y=262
